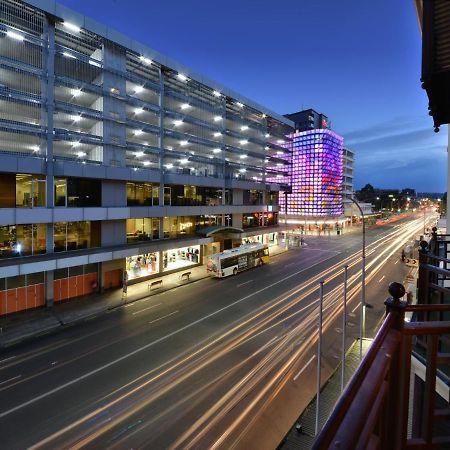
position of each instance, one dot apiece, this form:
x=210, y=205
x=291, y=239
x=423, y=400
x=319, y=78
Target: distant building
x=309, y=119
x=316, y=174
x=347, y=180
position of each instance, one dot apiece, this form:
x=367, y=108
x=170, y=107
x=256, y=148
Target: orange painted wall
x=21, y=299
x=113, y=278
x=68, y=288
x=30, y=297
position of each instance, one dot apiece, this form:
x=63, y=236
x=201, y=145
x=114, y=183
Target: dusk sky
x=356, y=61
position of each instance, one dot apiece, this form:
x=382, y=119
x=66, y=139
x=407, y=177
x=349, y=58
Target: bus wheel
x=235, y=271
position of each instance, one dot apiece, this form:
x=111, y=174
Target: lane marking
x=145, y=309
x=7, y=359
x=163, y=317
x=246, y=282
x=153, y=343
x=396, y=262
x=381, y=279
x=356, y=307
x=304, y=367
x=10, y=379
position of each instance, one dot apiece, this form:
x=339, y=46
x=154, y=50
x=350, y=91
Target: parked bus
x=230, y=262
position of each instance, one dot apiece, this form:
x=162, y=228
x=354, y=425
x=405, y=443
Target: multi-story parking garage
x=116, y=160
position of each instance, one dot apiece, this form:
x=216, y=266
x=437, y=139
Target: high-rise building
x=117, y=161
x=309, y=119
x=316, y=174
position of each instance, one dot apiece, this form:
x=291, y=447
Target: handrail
x=436, y=269
x=438, y=258
x=345, y=401
x=427, y=308
x=422, y=328
x=376, y=398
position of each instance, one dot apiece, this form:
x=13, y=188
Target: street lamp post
x=362, y=324
x=424, y=221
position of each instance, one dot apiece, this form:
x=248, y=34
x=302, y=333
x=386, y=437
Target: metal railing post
x=396, y=416
x=344, y=328
x=422, y=281
x=319, y=358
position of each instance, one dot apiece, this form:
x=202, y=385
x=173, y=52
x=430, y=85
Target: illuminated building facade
x=115, y=159
x=316, y=175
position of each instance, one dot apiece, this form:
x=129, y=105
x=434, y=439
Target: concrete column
x=101, y=278
x=161, y=138
x=238, y=196
x=48, y=85
x=237, y=220
x=114, y=193
x=114, y=133
x=49, y=294
x=161, y=228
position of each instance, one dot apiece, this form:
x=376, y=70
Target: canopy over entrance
x=218, y=229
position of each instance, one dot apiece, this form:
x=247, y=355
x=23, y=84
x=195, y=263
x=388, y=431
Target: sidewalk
x=301, y=436
x=28, y=324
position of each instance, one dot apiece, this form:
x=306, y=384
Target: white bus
x=230, y=262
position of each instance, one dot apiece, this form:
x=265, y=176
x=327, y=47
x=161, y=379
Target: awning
x=209, y=231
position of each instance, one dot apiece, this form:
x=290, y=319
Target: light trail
x=241, y=332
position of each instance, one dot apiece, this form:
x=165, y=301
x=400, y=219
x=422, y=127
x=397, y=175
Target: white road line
x=6, y=359
x=242, y=284
x=381, y=279
x=304, y=367
x=10, y=379
x=145, y=309
x=151, y=344
x=163, y=317
x=356, y=307
x=396, y=262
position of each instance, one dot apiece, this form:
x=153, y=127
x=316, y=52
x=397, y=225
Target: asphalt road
x=209, y=365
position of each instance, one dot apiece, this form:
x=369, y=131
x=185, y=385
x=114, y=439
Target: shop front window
x=155, y=195
x=72, y=236
x=77, y=192
x=252, y=197
x=251, y=220
x=140, y=194
x=167, y=195
x=30, y=191
x=60, y=192
x=273, y=198
x=143, y=229
x=181, y=257
x=180, y=226
x=22, y=240
x=271, y=219
x=139, y=266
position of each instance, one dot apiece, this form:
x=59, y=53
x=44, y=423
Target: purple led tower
x=315, y=174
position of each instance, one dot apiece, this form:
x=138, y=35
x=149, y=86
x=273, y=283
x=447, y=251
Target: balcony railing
x=399, y=396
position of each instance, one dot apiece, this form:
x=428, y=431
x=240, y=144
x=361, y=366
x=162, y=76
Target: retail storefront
x=270, y=239
x=144, y=265
x=148, y=265
x=180, y=258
